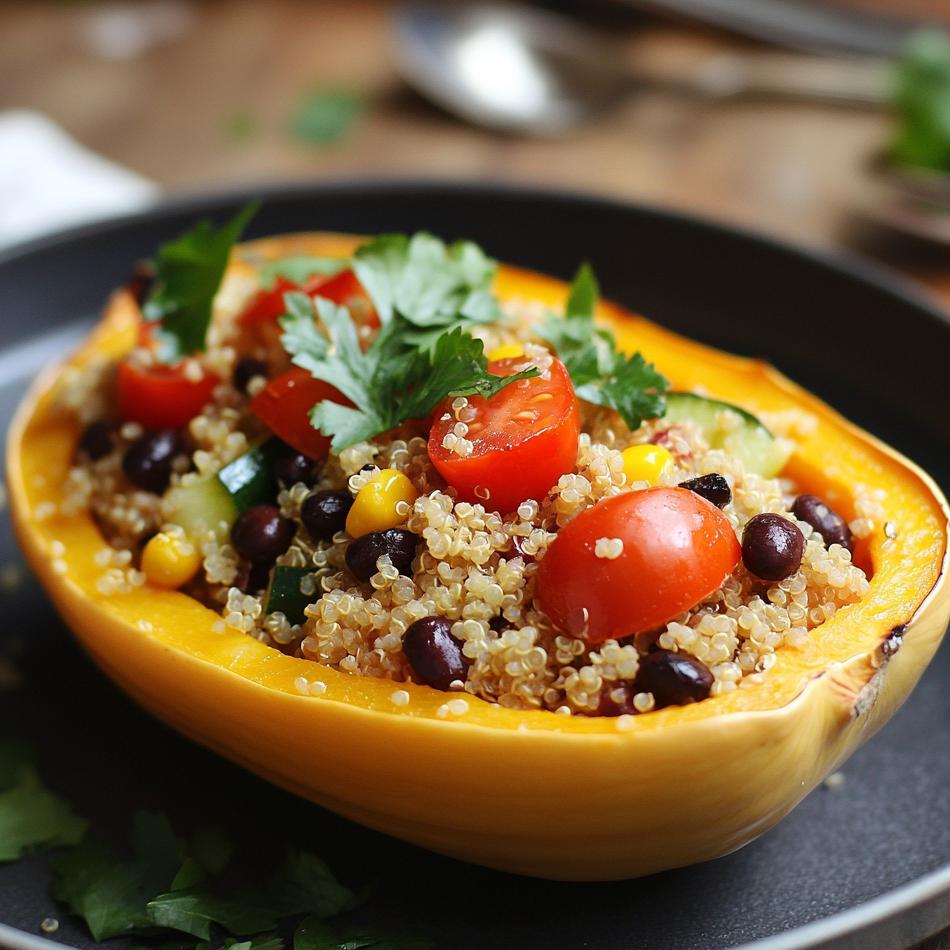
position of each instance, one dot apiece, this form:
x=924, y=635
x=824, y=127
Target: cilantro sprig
x=393, y=381
x=31, y=816
x=601, y=374
x=188, y=273
x=434, y=287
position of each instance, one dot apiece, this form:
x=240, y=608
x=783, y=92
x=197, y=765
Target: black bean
x=97, y=440
x=620, y=705
x=399, y=544
x=714, y=488
x=324, y=513
x=252, y=578
x=294, y=467
x=674, y=679
x=245, y=370
x=260, y=534
x=824, y=519
x=772, y=547
x=435, y=656
x=141, y=282
x=148, y=461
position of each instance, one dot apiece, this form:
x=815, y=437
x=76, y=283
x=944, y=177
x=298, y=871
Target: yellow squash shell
x=565, y=797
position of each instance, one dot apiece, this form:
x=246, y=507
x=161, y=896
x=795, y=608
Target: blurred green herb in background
x=921, y=96
x=324, y=116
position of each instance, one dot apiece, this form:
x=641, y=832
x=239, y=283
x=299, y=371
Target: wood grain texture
x=798, y=171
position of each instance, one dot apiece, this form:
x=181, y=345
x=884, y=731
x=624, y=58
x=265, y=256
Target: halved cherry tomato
x=267, y=305
x=677, y=549
x=523, y=439
x=161, y=396
x=343, y=289
x=284, y=405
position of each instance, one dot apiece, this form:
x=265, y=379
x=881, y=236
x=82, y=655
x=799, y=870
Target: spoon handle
x=839, y=80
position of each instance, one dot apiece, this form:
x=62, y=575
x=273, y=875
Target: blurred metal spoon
x=527, y=70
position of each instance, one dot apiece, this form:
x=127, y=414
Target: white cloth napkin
x=49, y=181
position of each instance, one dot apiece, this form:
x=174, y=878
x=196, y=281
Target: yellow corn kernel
x=645, y=463
x=374, y=508
x=506, y=352
x=169, y=561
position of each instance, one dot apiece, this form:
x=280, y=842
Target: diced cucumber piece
x=749, y=441
x=284, y=594
x=249, y=479
x=202, y=505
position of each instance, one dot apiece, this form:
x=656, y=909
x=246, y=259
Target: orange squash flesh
x=573, y=798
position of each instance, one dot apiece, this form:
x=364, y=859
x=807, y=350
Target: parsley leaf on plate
x=195, y=909
x=304, y=884
x=390, y=382
x=109, y=893
x=315, y=934
x=324, y=116
x=262, y=942
x=600, y=373
x=299, y=267
x=188, y=272
x=430, y=284
x=31, y=816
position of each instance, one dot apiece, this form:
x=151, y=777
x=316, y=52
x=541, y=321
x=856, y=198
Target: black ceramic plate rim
x=842, y=929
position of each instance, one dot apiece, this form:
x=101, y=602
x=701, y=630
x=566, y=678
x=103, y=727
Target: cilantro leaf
x=111, y=894
x=195, y=909
x=921, y=97
x=583, y=295
x=314, y=934
x=390, y=382
x=324, y=116
x=304, y=884
x=31, y=816
x=600, y=373
x=14, y=755
x=298, y=268
x=262, y=942
x=188, y=273
x=428, y=283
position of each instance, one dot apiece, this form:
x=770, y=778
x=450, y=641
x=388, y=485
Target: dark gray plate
x=864, y=865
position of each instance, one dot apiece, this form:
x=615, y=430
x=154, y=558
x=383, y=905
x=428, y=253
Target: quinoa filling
x=493, y=538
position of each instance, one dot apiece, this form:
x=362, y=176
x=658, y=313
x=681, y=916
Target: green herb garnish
x=31, y=816
x=921, y=96
x=324, y=116
x=188, y=273
x=392, y=381
x=194, y=910
x=600, y=373
x=433, y=286
x=316, y=934
x=112, y=894
x=299, y=268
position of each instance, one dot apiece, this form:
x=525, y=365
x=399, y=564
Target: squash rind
x=571, y=798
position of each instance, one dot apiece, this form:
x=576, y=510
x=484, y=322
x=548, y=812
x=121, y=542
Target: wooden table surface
x=798, y=171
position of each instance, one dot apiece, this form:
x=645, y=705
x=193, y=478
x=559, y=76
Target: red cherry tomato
x=345, y=290
x=677, y=549
x=160, y=396
x=284, y=405
x=523, y=439
x=267, y=305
